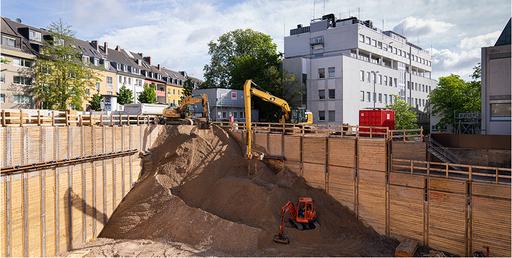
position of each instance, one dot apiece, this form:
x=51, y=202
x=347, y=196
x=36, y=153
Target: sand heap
x=198, y=191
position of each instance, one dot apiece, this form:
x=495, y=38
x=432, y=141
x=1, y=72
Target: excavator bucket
x=281, y=239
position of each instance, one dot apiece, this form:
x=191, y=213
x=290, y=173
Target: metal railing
x=407, y=135
x=441, y=152
x=26, y=117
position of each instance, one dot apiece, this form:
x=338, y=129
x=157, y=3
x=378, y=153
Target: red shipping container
x=376, y=118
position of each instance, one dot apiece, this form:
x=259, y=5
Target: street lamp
x=374, y=80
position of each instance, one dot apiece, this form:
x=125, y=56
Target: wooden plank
x=342, y=152
x=372, y=154
x=406, y=212
x=34, y=148
x=406, y=248
x=341, y=185
x=447, y=185
x=314, y=174
x=260, y=141
x=491, y=190
x=372, y=199
x=34, y=214
x=16, y=221
x=408, y=180
x=77, y=207
x=292, y=148
x=314, y=150
x=49, y=195
x=409, y=150
x=275, y=144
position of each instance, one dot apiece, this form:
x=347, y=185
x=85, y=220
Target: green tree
x=60, y=76
x=454, y=95
x=125, y=96
x=405, y=116
x=246, y=54
x=95, y=102
x=148, y=95
x=188, y=87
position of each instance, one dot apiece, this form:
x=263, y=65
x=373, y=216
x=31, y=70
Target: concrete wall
x=496, y=83
x=47, y=212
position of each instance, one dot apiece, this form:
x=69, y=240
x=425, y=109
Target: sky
x=176, y=33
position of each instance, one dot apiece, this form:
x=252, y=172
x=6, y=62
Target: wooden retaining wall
x=48, y=211
x=451, y=214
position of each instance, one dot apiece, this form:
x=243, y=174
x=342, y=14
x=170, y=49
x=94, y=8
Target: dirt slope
x=198, y=191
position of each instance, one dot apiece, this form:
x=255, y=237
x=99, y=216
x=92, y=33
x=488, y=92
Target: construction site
x=86, y=185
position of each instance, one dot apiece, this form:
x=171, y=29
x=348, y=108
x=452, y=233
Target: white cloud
x=412, y=26
x=479, y=41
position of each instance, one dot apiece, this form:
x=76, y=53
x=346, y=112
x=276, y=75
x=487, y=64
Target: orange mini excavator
x=302, y=216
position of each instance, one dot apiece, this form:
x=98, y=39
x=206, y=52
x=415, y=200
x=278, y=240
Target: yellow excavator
x=300, y=116
x=173, y=115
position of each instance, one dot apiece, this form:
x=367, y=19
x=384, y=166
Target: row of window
x=419, y=87
x=378, y=78
x=330, y=72
x=235, y=114
x=331, y=115
x=380, y=98
x=391, y=49
x=332, y=94
x=20, y=80
x=417, y=102
x=8, y=41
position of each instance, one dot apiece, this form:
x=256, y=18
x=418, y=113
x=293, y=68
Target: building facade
x=224, y=103
x=496, y=83
x=174, y=86
x=346, y=65
x=17, y=59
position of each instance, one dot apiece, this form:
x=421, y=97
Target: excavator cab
x=301, y=116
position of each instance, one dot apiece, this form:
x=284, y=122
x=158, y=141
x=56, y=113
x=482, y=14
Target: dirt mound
x=201, y=193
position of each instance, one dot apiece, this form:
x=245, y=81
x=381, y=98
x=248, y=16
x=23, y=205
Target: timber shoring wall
x=455, y=215
x=48, y=211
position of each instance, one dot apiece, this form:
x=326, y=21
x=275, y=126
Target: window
x=379, y=44
x=361, y=38
x=390, y=99
x=97, y=86
x=321, y=115
x=22, y=80
x=235, y=114
x=321, y=94
x=386, y=98
x=330, y=72
x=85, y=59
x=362, y=95
x=368, y=76
x=173, y=91
x=241, y=114
x=375, y=77
x=2, y=98
x=368, y=40
x=385, y=80
x=118, y=66
x=368, y=97
x=332, y=115
x=361, y=76
x=224, y=115
x=429, y=89
x=396, y=84
x=375, y=97
x=35, y=35
x=2, y=77
x=380, y=79
x=129, y=80
x=390, y=81
x=500, y=111
x=22, y=99
x=380, y=97
x=120, y=80
x=8, y=41
x=321, y=73
x=332, y=93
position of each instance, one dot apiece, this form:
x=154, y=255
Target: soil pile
x=199, y=191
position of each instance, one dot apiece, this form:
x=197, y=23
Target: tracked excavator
x=301, y=216
x=178, y=115
x=298, y=116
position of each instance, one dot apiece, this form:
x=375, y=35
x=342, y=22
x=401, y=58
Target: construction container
x=376, y=118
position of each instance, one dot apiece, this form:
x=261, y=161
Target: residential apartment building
x=18, y=56
x=496, y=83
x=175, y=81
x=224, y=103
x=346, y=65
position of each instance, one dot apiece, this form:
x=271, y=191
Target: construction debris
x=200, y=193
x=406, y=248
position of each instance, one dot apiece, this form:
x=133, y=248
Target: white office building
x=346, y=65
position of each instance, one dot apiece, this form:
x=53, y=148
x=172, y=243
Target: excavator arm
x=287, y=208
x=248, y=92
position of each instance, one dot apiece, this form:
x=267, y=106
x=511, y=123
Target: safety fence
x=60, y=185
x=444, y=210
x=37, y=117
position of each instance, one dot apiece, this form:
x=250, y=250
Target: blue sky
x=175, y=33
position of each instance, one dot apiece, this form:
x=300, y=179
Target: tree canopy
x=247, y=54
x=125, y=96
x=188, y=87
x=405, y=116
x=95, y=102
x=60, y=76
x=148, y=95
x=454, y=95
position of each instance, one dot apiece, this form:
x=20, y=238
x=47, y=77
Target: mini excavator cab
x=302, y=216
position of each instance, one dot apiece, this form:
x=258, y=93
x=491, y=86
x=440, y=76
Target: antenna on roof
x=18, y=20
x=358, y=13
x=324, y=8
x=314, y=6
